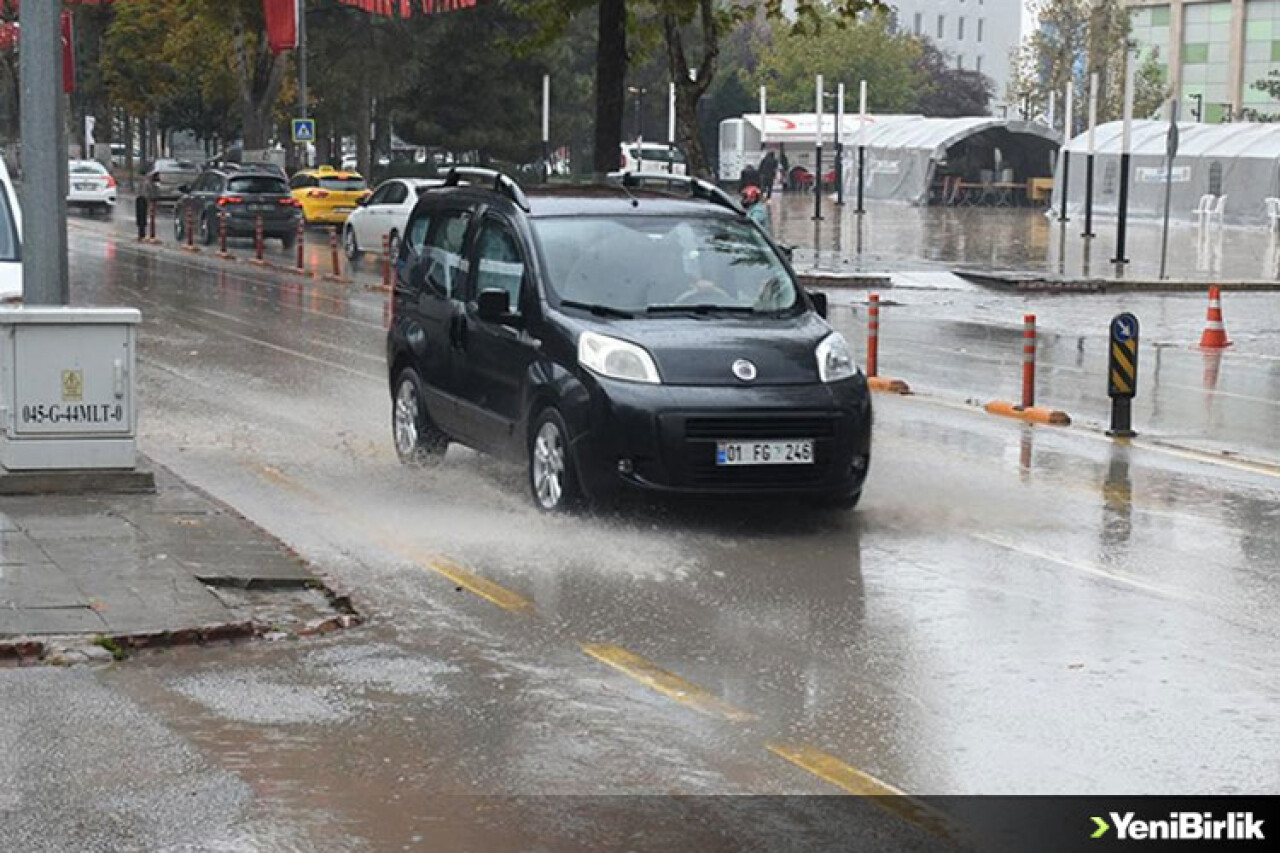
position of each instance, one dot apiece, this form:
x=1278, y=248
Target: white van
x=10, y=239
x=652, y=157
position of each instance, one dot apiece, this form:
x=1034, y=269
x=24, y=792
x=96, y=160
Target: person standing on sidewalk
x=768, y=173
x=757, y=210
x=142, y=204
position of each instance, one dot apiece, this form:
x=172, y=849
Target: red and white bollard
x=875, y=381
x=873, y=334
x=258, y=239
x=336, y=275
x=1028, y=410
x=151, y=221
x=300, y=243
x=222, y=235
x=1028, y=361
x=386, y=260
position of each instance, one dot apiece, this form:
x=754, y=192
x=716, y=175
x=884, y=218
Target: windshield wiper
x=700, y=308
x=598, y=310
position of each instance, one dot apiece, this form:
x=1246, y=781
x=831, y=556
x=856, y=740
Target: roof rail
x=500, y=183
x=698, y=188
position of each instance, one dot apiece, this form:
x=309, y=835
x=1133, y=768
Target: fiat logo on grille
x=744, y=370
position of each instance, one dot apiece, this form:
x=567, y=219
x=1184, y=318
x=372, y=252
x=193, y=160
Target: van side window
x=498, y=262
x=416, y=238
x=446, y=268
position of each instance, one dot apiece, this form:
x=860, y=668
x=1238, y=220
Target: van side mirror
x=819, y=301
x=493, y=305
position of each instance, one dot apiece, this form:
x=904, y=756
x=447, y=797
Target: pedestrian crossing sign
x=304, y=130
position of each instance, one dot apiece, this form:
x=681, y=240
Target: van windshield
x=664, y=264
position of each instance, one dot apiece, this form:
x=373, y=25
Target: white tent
x=905, y=157
x=1240, y=161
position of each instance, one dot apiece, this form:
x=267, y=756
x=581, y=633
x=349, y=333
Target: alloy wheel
x=549, y=466
x=406, y=420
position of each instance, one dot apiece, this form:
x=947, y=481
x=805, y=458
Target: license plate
x=342, y=210
x=84, y=187
x=794, y=452
x=261, y=208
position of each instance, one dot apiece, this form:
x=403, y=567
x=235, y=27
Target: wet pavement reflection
x=1012, y=610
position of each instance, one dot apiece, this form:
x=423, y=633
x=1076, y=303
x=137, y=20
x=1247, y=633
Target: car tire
x=418, y=441
x=349, y=244
x=553, y=475
x=179, y=232
x=206, y=232
x=393, y=244
x=288, y=241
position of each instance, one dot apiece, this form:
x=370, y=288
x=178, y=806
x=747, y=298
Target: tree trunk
x=611, y=83
x=363, y=120
x=129, y=168
x=691, y=88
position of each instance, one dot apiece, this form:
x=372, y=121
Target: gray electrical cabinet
x=67, y=388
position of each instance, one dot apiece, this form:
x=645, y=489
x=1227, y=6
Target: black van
x=640, y=332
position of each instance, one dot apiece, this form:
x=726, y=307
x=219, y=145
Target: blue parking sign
x=304, y=130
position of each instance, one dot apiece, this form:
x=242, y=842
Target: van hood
x=701, y=350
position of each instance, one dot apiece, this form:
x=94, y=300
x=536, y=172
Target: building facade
x=1213, y=51
x=979, y=35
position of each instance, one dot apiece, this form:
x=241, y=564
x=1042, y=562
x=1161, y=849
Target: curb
x=28, y=652
x=886, y=385
x=1031, y=414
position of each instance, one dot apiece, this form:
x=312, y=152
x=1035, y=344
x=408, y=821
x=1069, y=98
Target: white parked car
x=10, y=239
x=92, y=186
x=652, y=157
x=383, y=214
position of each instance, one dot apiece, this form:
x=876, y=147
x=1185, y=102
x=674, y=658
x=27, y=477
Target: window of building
x=942, y=26
x=1215, y=178
x=960, y=28
x=959, y=60
x=919, y=24
x=981, y=23
x=977, y=64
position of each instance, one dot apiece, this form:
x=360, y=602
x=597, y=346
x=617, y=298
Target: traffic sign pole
x=1122, y=373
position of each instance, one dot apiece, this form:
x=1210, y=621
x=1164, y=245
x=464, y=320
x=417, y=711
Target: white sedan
x=383, y=214
x=91, y=187
x=10, y=239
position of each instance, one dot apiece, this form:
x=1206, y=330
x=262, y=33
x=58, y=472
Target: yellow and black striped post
x=1122, y=373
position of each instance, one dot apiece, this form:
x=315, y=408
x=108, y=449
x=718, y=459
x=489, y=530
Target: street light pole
x=1088, y=175
x=44, y=157
x=1126, y=147
x=862, y=141
x=546, y=126
x=1066, y=150
x=840, y=144
x=817, y=177
x=302, y=74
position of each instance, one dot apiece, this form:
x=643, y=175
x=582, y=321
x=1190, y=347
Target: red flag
x=68, y=55
x=282, y=24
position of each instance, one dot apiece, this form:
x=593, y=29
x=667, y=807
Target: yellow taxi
x=327, y=195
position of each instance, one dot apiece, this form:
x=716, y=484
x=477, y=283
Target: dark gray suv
x=243, y=196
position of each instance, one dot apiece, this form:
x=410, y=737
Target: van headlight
x=835, y=362
x=616, y=359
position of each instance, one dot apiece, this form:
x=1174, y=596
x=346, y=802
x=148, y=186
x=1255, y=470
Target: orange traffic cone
x=1215, y=334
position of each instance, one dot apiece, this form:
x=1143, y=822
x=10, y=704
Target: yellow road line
x=486, y=589
x=851, y=780
x=443, y=566
x=666, y=683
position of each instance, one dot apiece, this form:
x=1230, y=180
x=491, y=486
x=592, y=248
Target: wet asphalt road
x=1011, y=610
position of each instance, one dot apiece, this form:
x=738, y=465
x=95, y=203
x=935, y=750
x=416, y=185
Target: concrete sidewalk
x=147, y=569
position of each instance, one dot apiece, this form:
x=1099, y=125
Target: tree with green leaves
x=1077, y=38
x=867, y=48
x=949, y=91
